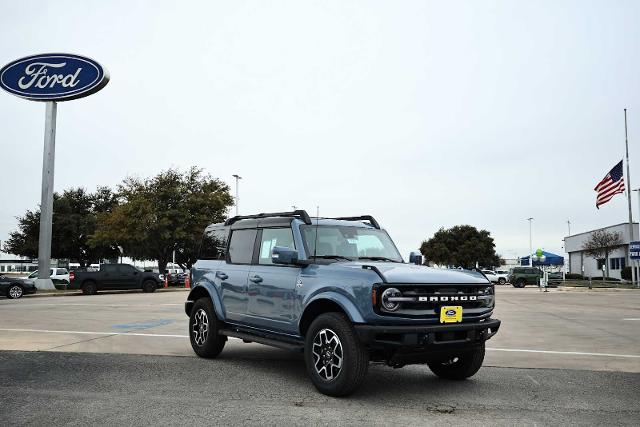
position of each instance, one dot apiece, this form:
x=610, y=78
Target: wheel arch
x=326, y=303
x=204, y=290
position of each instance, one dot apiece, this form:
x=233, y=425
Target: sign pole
x=46, y=201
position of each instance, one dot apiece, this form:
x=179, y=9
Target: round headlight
x=390, y=305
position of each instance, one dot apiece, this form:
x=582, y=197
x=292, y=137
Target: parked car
x=57, y=273
x=491, y=275
x=503, y=276
x=15, y=287
x=338, y=291
x=522, y=276
x=554, y=278
x=114, y=277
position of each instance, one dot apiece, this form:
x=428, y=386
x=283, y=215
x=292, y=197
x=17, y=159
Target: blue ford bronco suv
x=337, y=290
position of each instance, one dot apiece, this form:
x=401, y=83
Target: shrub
x=626, y=273
x=573, y=276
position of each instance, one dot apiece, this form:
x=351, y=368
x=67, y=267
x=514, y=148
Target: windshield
x=344, y=242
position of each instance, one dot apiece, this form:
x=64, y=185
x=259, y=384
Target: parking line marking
x=135, y=334
x=88, y=305
x=138, y=334
x=632, y=318
x=572, y=353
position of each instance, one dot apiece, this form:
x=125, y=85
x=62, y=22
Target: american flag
x=611, y=185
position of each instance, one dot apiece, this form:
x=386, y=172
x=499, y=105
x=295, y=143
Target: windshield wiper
x=331, y=257
x=378, y=258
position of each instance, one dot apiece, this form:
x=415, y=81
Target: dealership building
x=580, y=263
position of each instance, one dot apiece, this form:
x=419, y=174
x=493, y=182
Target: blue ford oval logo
x=53, y=77
x=451, y=312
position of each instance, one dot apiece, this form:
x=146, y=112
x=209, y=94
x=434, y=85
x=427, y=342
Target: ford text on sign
x=53, y=77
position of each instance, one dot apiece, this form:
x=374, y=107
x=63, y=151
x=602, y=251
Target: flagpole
x=626, y=142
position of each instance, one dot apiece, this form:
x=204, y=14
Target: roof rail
x=300, y=214
x=369, y=218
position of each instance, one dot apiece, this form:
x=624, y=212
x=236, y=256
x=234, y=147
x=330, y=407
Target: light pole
x=530, y=245
x=569, y=225
x=238, y=178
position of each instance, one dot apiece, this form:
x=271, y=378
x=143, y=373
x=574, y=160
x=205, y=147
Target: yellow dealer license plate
x=451, y=314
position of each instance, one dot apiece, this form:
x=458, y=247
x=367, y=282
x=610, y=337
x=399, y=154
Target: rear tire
x=203, y=330
x=15, y=292
x=336, y=360
x=459, y=367
x=89, y=288
x=149, y=286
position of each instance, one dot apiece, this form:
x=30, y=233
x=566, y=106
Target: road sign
x=634, y=250
x=51, y=77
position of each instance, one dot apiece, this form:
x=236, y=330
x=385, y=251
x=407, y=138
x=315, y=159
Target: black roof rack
x=300, y=214
x=369, y=218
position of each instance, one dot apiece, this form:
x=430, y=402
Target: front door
x=272, y=287
x=234, y=273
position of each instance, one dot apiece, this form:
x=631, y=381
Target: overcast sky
x=423, y=114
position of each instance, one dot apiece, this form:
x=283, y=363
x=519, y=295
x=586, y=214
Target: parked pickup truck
x=338, y=291
x=113, y=277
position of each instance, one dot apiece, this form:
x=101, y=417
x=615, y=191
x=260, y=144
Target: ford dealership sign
x=53, y=77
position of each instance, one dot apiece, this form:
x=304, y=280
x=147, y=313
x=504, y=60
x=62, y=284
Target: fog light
x=390, y=305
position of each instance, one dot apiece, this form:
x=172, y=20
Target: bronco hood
x=410, y=273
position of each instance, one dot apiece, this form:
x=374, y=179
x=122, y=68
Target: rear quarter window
x=214, y=244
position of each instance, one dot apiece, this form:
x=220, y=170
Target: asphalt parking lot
x=561, y=356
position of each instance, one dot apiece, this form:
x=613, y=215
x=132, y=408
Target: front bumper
x=403, y=345
x=422, y=335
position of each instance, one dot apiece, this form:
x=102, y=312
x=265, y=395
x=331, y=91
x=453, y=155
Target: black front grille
x=427, y=300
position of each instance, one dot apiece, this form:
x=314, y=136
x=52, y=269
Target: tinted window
x=274, y=237
x=241, y=246
x=108, y=268
x=214, y=244
x=125, y=269
x=62, y=271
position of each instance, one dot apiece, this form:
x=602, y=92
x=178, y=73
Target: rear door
x=272, y=287
x=128, y=277
x=233, y=275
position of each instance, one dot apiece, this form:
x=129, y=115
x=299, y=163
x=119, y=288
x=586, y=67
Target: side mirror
x=284, y=255
x=415, y=258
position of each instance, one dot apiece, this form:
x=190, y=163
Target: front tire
x=203, y=330
x=502, y=281
x=15, y=292
x=149, y=286
x=459, y=367
x=336, y=360
x=520, y=283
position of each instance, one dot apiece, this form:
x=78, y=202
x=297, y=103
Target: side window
x=108, y=268
x=214, y=244
x=241, y=246
x=272, y=237
x=124, y=269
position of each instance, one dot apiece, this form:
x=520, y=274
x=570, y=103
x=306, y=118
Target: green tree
x=167, y=212
x=74, y=220
x=462, y=245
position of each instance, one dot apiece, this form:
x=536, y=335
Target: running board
x=291, y=346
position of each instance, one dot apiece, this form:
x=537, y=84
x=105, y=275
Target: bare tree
x=600, y=245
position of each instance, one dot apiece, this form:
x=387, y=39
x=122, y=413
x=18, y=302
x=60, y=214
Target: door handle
x=221, y=275
x=256, y=279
